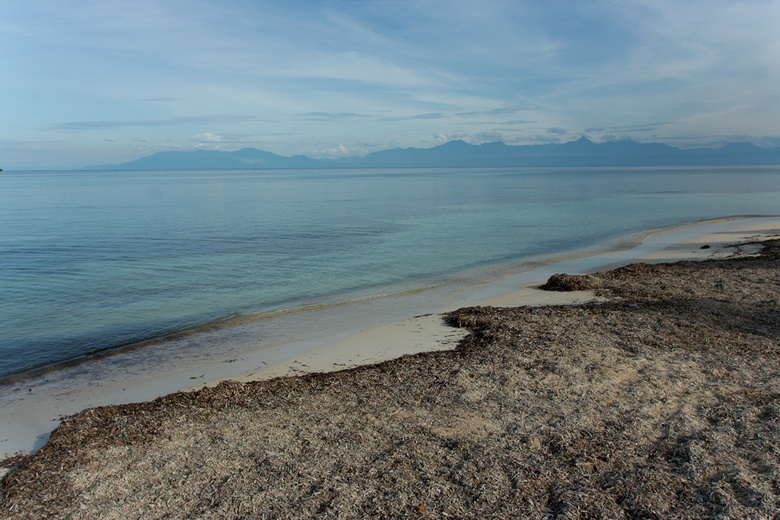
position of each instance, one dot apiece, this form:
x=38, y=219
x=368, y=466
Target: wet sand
x=429, y=333
x=659, y=396
x=341, y=337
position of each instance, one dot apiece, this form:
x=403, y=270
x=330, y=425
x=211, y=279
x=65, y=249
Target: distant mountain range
x=454, y=154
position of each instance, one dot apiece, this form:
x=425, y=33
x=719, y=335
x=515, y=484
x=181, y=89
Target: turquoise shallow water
x=91, y=261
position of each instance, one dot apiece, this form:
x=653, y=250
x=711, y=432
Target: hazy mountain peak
x=458, y=153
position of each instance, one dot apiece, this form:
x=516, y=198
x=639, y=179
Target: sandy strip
x=418, y=334
x=428, y=333
x=662, y=401
x=717, y=245
x=27, y=416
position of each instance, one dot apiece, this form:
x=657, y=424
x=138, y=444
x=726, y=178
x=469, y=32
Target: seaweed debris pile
x=662, y=401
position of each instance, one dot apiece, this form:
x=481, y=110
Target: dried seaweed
x=661, y=402
x=563, y=282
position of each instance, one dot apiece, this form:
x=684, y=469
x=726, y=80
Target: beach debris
x=562, y=282
x=660, y=402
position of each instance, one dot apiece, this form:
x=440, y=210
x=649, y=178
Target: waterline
x=102, y=260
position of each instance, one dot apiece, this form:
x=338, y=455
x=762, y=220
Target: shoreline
x=29, y=414
x=660, y=400
x=624, y=243
x=620, y=244
x=428, y=333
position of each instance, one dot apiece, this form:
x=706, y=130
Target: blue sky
x=104, y=81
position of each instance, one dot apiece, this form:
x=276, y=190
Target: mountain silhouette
x=457, y=153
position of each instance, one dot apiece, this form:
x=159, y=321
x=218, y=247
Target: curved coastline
x=499, y=269
x=485, y=273
x=39, y=401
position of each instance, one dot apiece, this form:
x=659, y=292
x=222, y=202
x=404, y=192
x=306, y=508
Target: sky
x=102, y=82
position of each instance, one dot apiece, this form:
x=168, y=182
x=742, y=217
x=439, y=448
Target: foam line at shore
x=341, y=337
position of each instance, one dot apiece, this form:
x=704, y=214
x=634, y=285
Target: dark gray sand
x=662, y=402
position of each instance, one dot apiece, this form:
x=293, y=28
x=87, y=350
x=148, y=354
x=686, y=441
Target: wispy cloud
x=329, y=117
x=646, y=127
x=497, y=111
x=332, y=153
x=209, y=138
x=158, y=100
x=318, y=75
x=517, y=122
x=432, y=115
x=509, y=110
x=76, y=126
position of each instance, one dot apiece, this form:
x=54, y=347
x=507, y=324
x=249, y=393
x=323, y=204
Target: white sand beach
x=30, y=410
x=429, y=333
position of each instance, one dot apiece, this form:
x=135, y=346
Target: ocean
x=100, y=260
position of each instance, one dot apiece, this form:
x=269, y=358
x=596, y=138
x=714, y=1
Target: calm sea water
x=91, y=261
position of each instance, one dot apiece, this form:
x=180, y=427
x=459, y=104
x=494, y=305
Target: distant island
x=454, y=154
